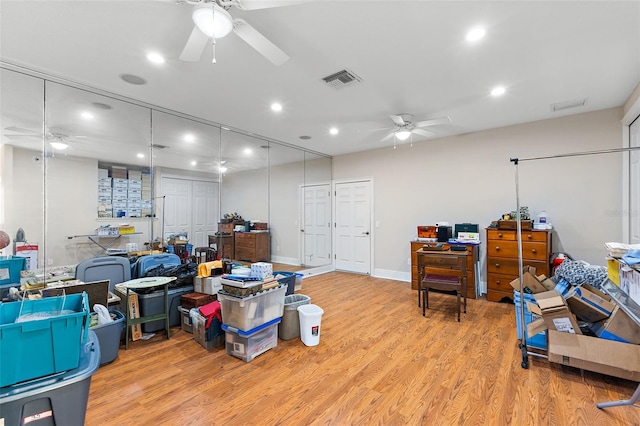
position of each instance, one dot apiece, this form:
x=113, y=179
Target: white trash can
x=310, y=318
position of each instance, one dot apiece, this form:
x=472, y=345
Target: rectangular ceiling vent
x=342, y=79
x=560, y=106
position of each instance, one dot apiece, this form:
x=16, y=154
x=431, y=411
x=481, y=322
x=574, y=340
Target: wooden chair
x=205, y=254
x=449, y=275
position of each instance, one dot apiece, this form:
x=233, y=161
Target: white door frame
x=371, y=218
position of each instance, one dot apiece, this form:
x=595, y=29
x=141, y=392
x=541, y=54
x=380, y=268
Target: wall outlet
x=409, y=261
x=49, y=262
x=277, y=248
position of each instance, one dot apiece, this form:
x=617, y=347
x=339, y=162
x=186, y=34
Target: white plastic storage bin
x=247, y=345
x=249, y=312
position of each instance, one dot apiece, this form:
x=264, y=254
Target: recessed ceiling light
x=248, y=151
x=133, y=79
x=140, y=155
x=276, y=106
x=498, y=91
x=101, y=105
x=333, y=131
x=155, y=57
x=86, y=115
x=189, y=137
x=194, y=163
x=475, y=34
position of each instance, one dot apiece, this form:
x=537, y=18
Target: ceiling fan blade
x=266, y=4
x=433, y=122
x=21, y=137
x=421, y=132
x=259, y=42
x=389, y=136
x=195, y=46
x=21, y=130
x=397, y=119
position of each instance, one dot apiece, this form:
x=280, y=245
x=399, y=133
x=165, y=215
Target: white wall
x=469, y=178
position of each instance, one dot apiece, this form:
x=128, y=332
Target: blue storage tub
x=145, y=263
x=39, y=347
x=289, y=279
x=59, y=399
x=540, y=339
x=10, y=267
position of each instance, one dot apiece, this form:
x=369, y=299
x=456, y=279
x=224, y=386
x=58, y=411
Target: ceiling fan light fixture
x=403, y=134
x=212, y=20
x=60, y=146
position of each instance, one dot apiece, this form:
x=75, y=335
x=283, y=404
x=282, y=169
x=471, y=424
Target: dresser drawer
x=500, y=282
x=534, y=251
x=509, y=235
x=245, y=254
x=509, y=266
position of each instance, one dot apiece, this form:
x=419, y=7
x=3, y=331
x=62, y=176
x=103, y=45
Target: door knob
x=365, y=233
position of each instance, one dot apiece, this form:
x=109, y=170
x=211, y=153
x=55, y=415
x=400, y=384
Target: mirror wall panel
x=59, y=140
x=22, y=159
x=245, y=181
x=286, y=176
x=96, y=148
x=186, y=164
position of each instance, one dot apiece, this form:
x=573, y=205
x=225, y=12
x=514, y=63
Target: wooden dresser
x=472, y=259
x=502, y=258
x=252, y=246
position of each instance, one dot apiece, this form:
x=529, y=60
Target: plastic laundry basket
x=310, y=319
x=289, y=328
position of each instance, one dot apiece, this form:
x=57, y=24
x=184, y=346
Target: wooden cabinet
x=472, y=260
x=502, y=258
x=252, y=246
x=226, y=227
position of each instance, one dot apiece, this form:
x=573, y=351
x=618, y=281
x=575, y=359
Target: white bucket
x=310, y=318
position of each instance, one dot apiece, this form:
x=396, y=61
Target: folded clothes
x=632, y=257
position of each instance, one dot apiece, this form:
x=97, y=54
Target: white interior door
x=177, y=214
x=634, y=183
x=205, y=212
x=316, y=225
x=353, y=226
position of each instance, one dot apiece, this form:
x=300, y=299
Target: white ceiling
x=411, y=55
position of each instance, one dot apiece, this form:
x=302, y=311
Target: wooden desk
x=473, y=267
x=434, y=258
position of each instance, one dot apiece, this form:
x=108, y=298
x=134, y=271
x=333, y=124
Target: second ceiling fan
x=213, y=21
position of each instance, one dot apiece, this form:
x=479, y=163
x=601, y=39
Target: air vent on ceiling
x=341, y=79
x=568, y=104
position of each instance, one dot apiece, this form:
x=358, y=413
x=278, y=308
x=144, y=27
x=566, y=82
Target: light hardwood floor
x=379, y=362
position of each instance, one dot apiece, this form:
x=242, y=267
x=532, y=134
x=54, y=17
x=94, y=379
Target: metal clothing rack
x=523, y=342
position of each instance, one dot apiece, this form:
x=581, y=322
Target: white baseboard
x=285, y=260
x=392, y=275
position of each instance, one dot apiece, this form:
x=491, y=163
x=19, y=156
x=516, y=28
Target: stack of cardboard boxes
x=586, y=328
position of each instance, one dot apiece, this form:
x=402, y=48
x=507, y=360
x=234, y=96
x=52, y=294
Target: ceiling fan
x=213, y=21
x=405, y=126
x=58, y=139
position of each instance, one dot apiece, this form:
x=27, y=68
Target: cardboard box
x=594, y=354
x=619, y=326
x=134, y=312
x=207, y=285
x=554, y=311
x=533, y=284
x=589, y=304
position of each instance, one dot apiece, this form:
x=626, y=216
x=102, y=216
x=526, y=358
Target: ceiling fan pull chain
x=213, y=45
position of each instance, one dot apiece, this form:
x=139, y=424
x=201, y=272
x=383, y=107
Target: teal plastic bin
x=38, y=347
x=10, y=267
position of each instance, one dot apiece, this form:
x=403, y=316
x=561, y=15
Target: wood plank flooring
x=379, y=362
